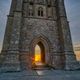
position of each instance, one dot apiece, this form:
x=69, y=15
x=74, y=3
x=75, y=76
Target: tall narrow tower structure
x=37, y=22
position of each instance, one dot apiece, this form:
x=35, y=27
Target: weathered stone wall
x=24, y=31
x=32, y=28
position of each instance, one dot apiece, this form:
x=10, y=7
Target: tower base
x=9, y=62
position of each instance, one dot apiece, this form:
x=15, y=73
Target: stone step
x=41, y=67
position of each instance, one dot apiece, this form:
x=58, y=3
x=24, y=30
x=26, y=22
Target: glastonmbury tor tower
x=37, y=22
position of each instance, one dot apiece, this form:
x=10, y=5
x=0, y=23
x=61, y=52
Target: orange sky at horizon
x=77, y=51
x=77, y=55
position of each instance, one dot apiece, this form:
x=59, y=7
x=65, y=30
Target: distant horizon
x=73, y=14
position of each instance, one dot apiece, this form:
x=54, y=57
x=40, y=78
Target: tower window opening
x=30, y=12
x=48, y=2
x=49, y=5
x=31, y=3
x=40, y=11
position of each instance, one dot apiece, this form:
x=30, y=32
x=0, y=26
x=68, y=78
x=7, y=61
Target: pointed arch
x=44, y=45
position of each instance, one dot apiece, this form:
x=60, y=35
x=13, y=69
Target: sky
x=73, y=14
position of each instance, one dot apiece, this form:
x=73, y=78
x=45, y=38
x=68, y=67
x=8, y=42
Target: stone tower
x=37, y=22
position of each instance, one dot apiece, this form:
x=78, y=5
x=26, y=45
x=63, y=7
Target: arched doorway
x=39, y=57
x=43, y=57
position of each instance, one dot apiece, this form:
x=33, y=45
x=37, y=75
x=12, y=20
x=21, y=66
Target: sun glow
x=37, y=54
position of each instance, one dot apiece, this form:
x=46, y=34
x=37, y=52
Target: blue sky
x=73, y=14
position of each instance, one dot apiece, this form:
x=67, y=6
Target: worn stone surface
x=41, y=75
x=27, y=26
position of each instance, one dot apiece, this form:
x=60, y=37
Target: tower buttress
x=11, y=44
x=9, y=26
x=71, y=62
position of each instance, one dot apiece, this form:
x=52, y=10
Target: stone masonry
x=33, y=21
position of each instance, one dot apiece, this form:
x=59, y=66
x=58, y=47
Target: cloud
x=73, y=14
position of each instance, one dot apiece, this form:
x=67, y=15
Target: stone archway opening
x=39, y=54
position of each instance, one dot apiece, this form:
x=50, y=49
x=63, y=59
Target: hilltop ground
x=41, y=75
